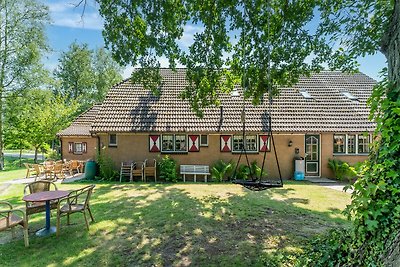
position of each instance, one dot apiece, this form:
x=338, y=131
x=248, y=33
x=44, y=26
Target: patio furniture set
x=44, y=196
x=53, y=170
x=147, y=168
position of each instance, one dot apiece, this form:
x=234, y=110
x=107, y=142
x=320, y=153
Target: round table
x=46, y=196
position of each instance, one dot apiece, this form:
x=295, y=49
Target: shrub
x=167, y=169
x=221, y=170
x=341, y=169
x=106, y=167
x=53, y=154
x=244, y=172
x=330, y=249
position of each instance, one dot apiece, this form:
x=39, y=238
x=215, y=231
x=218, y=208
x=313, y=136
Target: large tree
x=86, y=75
x=35, y=117
x=269, y=44
x=22, y=41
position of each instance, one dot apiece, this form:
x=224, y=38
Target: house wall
x=327, y=153
x=91, y=148
x=135, y=147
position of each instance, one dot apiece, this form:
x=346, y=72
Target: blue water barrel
x=299, y=176
x=90, y=170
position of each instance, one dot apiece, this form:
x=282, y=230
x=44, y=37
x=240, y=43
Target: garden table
x=46, y=196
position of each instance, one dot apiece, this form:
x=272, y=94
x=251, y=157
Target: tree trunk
x=20, y=157
x=36, y=152
x=391, y=46
x=391, y=49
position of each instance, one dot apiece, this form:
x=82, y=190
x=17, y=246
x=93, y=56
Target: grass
x=180, y=225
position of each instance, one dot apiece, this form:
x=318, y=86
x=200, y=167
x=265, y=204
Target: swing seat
x=258, y=185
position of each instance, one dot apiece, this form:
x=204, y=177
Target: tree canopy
x=86, y=75
x=22, y=41
x=268, y=44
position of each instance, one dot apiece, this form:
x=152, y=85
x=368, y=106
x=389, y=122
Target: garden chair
x=126, y=170
x=38, y=170
x=58, y=171
x=137, y=170
x=73, y=166
x=9, y=219
x=76, y=201
x=150, y=169
x=29, y=169
x=37, y=207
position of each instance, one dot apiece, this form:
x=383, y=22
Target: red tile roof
x=82, y=125
x=130, y=108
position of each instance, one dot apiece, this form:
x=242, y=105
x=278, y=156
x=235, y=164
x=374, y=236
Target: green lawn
x=180, y=225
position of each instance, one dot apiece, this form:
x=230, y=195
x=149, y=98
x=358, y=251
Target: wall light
x=290, y=143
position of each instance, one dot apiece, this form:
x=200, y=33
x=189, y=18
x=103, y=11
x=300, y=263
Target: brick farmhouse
x=323, y=116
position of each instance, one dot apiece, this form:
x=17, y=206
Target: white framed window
x=250, y=143
x=204, y=140
x=174, y=143
x=363, y=144
x=112, y=140
x=339, y=141
x=78, y=148
x=351, y=144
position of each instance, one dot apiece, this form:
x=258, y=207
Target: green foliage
x=36, y=117
x=53, y=154
x=221, y=170
x=245, y=172
x=167, y=169
x=86, y=76
x=342, y=170
x=106, y=167
x=330, y=249
x=133, y=34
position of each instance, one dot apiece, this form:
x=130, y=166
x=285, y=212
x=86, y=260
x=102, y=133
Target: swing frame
x=258, y=183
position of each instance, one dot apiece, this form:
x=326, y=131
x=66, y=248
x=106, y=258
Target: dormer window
x=349, y=96
x=305, y=94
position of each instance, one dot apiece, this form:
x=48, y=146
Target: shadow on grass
x=166, y=225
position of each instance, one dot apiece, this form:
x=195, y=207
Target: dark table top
x=46, y=195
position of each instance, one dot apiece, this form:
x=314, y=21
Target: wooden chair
x=137, y=170
x=29, y=169
x=76, y=201
x=37, y=207
x=126, y=170
x=150, y=169
x=73, y=166
x=39, y=170
x=9, y=219
x=58, y=171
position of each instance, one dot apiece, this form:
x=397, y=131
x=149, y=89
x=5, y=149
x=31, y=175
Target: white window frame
x=75, y=150
x=204, y=144
x=346, y=144
x=368, y=138
x=174, y=143
x=244, y=143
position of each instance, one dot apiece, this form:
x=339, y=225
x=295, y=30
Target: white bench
x=195, y=170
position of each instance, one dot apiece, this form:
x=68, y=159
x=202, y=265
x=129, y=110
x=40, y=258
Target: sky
x=68, y=26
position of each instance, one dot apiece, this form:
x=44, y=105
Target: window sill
x=247, y=152
x=112, y=145
x=350, y=154
x=174, y=152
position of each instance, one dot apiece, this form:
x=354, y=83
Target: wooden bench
x=195, y=170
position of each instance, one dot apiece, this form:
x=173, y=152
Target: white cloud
x=64, y=13
x=189, y=31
